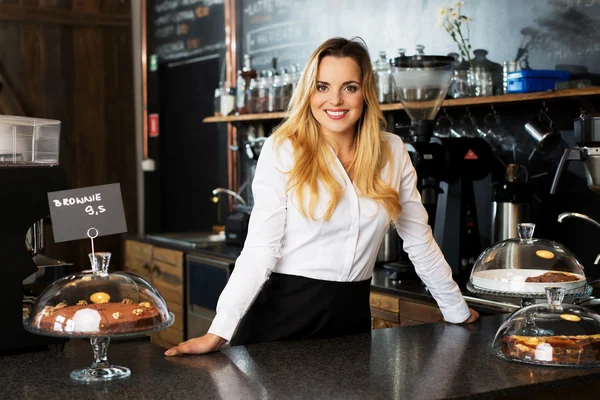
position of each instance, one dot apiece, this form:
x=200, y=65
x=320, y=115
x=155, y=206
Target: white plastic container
x=29, y=141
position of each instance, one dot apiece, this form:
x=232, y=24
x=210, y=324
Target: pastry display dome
x=527, y=265
x=97, y=303
x=554, y=334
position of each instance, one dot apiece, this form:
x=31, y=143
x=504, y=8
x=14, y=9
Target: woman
x=327, y=184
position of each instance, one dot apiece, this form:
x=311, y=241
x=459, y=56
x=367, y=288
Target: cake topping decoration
x=117, y=315
x=138, y=312
x=82, y=303
x=100, y=298
x=145, y=304
x=48, y=310
x=62, y=304
x=127, y=301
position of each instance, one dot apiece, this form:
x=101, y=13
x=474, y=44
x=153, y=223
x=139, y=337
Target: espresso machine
x=446, y=167
x=587, y=137
x=28, y=171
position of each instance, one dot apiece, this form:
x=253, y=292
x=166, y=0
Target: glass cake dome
x=99, y=305
x=553, y=334
x=526, y=266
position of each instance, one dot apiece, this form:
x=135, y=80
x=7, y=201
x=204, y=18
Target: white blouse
x=342, y=249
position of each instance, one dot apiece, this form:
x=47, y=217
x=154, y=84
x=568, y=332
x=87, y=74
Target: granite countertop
x=415, y=362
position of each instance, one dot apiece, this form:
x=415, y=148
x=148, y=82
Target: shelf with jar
x=466, y=101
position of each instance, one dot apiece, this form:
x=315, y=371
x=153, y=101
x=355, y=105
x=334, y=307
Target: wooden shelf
x=467, y=101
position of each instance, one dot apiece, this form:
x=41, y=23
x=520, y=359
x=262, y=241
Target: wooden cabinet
x=163, y=268
x=389, y=311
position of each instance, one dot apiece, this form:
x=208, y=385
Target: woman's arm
x=425, y=254
x=258, y=258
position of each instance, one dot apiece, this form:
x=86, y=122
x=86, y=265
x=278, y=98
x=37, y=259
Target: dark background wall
x=189, y=39
x=557, y=34
x=556, y=31
x=71, y=60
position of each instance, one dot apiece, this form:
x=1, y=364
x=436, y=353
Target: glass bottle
x=401, y=55
x=287, y=87
x=241, y=100
x=247, y=73
x=382, y=78
x=275, y=92
x=252, y=95
x=217, y=100
x=263, y=91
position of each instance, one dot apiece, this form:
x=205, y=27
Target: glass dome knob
x=100, y=262
x=555, y=296
x=526, y=232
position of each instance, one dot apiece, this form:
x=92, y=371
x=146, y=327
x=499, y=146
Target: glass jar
x=552, y=334
x=507, y=67
x=459, y=85
x=481, y=82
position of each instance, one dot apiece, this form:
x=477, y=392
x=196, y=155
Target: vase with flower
x=453, y=21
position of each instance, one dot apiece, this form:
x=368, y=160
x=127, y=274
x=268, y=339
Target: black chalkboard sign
x=75, y=212
x=557, y=33
x=187, y=28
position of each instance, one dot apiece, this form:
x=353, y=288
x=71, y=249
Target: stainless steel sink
x=191, y=239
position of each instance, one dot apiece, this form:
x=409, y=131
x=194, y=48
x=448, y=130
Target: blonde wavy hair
x=311, y=153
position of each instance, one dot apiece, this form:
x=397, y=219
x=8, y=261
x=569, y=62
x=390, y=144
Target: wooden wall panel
x=34, y=68
x=80, y=73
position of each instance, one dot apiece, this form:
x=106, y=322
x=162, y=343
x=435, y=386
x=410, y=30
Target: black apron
x=293, y=307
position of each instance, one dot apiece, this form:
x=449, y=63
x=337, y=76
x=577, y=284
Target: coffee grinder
x=446, y=167
x=28, y=171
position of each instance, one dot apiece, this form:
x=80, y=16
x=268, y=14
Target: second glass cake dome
x=527, y=265
x=552, y=334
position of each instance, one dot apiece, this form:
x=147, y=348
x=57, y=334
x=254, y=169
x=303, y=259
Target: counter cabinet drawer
x=168, y=256
x=140, y=250
x=384, y=302
x=389, y=311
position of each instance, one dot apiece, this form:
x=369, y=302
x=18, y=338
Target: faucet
x=216, y=191
x=562, y=216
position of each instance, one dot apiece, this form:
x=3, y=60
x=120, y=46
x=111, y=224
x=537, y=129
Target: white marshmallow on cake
x=86, y=320
x=543, y=352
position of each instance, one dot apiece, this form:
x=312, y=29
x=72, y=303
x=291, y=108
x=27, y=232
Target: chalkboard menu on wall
x=187, y=28
x=555, y=32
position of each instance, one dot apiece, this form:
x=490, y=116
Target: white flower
x=443, y=12
x=454, y=16
x=459, y=4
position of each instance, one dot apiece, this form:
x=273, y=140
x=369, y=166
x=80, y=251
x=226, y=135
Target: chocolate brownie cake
x=580, y=349
x=103, y=318
x=553, y=277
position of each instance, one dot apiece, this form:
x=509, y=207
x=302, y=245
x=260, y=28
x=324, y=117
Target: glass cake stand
x=99, y=305
x=550, y=334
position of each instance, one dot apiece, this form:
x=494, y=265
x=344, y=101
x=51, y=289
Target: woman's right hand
x=200, y=345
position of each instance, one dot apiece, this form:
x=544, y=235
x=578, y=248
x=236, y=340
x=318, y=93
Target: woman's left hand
x=472, y=318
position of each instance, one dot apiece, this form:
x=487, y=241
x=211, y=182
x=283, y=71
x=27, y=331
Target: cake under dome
x=99, y=305
x=554, y=334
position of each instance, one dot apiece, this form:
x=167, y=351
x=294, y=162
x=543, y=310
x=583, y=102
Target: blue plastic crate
x=535, y=80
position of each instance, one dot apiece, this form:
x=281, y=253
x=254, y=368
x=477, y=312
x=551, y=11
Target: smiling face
x=337, y=102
